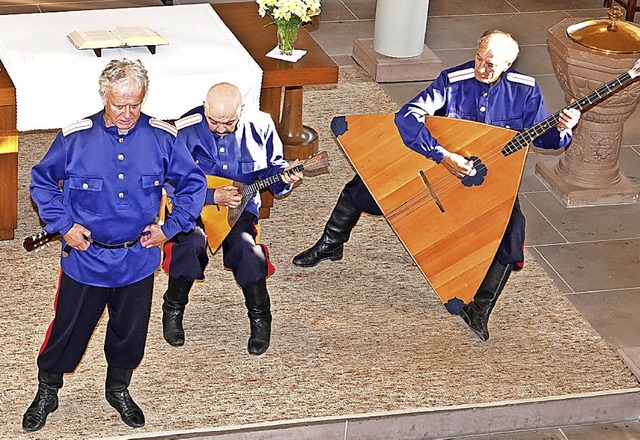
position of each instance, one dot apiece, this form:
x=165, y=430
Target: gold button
x=121, y=140
x=482, y=109
x=120, y=156
x=222, y=149
x=121, y=195
x=156, y=183
x=85, y=186
x=225, y=166
x=121, y=176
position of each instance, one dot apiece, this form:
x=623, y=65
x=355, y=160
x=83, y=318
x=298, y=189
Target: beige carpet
x=362, y=335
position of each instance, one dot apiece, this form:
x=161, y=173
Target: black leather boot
x=476, y=313
x=336, y=232
x=117, y=394
x=175, y=299
x=259, y=311
x=45, y=403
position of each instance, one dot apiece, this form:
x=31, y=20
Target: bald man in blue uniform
x=112, y=166
x=241, y=144
x=486, y=90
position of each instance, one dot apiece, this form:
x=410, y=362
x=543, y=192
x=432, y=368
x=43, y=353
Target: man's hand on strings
x=457, y=165
x=290, y=178
x=227, y=196
x=569, y=117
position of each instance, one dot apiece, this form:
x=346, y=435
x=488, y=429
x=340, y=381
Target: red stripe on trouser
x=55, y=307
x=520, y=264
x=270, y=267
x=168, y=255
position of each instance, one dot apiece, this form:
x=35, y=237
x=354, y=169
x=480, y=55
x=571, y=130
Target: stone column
x=588, y=173
x=400, y=27
x=397, y=51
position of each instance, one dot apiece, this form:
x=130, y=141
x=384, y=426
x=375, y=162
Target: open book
x=128, y=36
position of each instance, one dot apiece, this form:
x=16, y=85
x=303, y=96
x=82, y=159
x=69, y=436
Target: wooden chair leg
x=607, y=3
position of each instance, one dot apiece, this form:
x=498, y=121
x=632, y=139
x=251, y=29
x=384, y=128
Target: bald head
x=222, y=108
x=223, y=100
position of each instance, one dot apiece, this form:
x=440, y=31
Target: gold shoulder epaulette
x=82, y=124
x=164, y=125
x=187, y=121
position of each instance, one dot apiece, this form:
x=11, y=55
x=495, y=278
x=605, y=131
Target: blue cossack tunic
x=112, y=184
x=253, y=151
x=514, y=101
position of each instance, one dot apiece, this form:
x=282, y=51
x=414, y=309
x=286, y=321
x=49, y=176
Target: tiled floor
x=593, y=253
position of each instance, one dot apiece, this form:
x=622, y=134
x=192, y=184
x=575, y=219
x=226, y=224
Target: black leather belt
x=124, y=245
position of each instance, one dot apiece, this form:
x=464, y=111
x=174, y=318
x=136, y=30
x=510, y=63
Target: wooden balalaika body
x=218, y=220
x=451, y=227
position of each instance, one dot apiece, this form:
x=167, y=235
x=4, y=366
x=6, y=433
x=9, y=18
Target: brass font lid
x=609, y=36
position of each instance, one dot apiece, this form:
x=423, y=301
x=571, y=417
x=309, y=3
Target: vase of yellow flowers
x=288, y=16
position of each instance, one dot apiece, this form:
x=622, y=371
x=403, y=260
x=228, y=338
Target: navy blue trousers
x=79, y=308
x=510, y=250
x=248, y=261
x=185, y=255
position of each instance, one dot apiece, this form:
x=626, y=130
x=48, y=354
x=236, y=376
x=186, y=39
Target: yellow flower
x=289, y=10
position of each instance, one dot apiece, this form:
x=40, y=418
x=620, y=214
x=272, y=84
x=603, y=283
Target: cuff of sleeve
x=208, y=200
x=170, y=228
x=280, y=188
x=438, y=153
x=62, y=231
x=61, y=227
x=564, y=133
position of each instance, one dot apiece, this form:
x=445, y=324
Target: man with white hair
x=112, y=166
x=486, y=90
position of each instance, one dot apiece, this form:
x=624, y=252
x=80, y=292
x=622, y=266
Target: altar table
x=279, y=77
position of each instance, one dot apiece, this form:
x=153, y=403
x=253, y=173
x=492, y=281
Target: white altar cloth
x=57, y=84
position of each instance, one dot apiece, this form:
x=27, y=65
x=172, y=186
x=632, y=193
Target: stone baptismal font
x=585, y=56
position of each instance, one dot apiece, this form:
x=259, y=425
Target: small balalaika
x=451, y=227
x=218, y=220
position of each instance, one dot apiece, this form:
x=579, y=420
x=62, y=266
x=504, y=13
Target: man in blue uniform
x=485, y=90
x=112, y=166
x=241, y=144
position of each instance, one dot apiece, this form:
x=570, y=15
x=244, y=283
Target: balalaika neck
x=252, y=189
x=525, y=137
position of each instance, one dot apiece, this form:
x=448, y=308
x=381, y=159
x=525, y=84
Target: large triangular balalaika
x=451, y=227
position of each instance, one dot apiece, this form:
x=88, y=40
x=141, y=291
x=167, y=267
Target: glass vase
x=287, y=34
